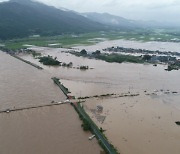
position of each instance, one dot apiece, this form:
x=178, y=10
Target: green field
x=92, y=38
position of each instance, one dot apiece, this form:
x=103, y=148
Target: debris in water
x=177, y=123
x=7, y=111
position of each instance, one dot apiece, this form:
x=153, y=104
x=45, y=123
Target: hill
x=111, y=20
x=22, y=18
x=123, y=23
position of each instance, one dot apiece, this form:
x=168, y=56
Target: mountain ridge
x=22, y=18
x=111, y=20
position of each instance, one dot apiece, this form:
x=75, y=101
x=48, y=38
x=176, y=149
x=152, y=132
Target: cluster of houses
x=141, y=51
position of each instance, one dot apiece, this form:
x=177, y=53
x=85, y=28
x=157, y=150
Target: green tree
x=83, y=52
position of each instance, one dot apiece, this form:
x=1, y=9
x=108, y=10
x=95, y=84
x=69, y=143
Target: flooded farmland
x=140, y=116
x=153, y=45
x=144, y=123
x=23, y=85
x=53, y=129
x=44, y=130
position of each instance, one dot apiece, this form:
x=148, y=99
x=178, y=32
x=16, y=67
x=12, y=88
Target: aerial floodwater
x=153, y=45
x=20, y=81
x=45, y=129
x=140, y=101
x=139, y=117
x=89, y=77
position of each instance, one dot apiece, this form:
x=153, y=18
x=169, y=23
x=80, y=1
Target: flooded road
x=55, y=129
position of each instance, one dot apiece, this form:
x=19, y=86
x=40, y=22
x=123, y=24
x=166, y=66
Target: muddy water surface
x=161, y=46
x=22, y=85
x=142, y=124
x=46, y=130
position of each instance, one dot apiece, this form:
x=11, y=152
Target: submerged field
x=93, y=38
x=140, y=102
x=48, y=129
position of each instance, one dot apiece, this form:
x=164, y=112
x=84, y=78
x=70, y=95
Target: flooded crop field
x=140, y=102
x=22, y=85
x=77, y=78
x=139, y=124
x=49, y=129
x=44, y=130
x=153, y=45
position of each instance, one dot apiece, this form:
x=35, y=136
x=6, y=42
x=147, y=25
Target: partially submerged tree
x=83, y=52
x=97, y=52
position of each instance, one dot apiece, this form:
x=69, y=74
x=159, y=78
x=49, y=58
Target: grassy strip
x=61, y=86
x=114, y=150
x=28, y=62
x=88, y=124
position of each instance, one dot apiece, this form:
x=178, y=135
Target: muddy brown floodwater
x=142, y=124
x=45, y=130
x=152, y=45
x=22, y=85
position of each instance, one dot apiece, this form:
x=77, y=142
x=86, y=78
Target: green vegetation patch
x=118, y=58
x=70, y=40
x=49, y=60
x=61, y=86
